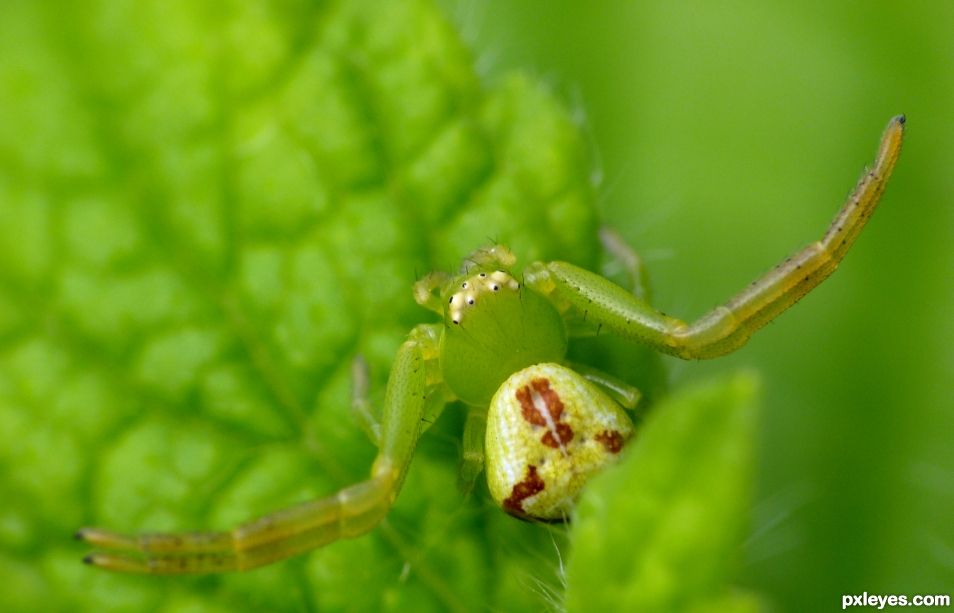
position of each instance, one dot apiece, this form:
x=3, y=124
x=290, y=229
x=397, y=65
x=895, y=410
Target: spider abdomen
x=548, y=431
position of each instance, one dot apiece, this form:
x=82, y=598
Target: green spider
x=500, y=348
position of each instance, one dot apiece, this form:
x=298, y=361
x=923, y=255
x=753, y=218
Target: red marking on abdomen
x=529, y=412
x=564, y=434
x=531, y=484
x=558, y=434
x=611, y=440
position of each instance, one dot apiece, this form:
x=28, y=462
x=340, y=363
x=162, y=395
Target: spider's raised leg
x=350, y=512
x=725, y=328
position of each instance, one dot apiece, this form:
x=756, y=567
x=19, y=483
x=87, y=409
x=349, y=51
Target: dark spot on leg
x=611, y=440
x=531, y=484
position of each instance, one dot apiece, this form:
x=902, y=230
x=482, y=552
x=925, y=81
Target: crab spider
x=541, y=426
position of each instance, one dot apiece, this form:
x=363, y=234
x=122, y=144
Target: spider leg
x=622, y=392
x=348, y=513
x=624, y=257
x=472, y=453
x=727, y=327
x=427, y=291
x=361, y=407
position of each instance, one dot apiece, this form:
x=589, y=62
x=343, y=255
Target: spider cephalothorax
x=493, y=325
x=540, y=426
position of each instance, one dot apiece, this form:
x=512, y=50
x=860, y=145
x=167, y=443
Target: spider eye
x=495, y=287
x=471, y=301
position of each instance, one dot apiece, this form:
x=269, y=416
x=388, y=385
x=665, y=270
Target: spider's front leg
x=609, y=307
x=350, y=512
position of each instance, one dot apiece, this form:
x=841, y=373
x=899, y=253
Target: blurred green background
x=729, y=134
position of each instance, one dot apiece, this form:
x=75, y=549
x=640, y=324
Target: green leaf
x=659, y=531
x=206, y=211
